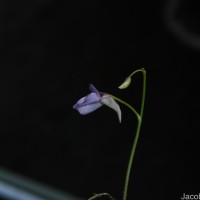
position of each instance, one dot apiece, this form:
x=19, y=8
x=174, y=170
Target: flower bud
x=125, y=84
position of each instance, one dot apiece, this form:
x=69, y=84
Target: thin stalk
x=143, y=93
x=127, y=105
x=139, y=118
x=130, y=162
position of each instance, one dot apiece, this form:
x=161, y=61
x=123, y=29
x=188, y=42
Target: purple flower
x=95, y=100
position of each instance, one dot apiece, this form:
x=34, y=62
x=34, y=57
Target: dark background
x=49, y=53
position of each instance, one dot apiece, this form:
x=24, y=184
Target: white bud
x=125, y=84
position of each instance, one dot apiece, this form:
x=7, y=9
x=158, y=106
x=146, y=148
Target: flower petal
x=89, y=99
x=79, y=103
x=93, y=89
x=110, y=102
x=88, y=104
x=86, y=109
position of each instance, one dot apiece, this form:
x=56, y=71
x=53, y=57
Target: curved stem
x=136, y=71
x=143, y=93
x=139, y=117
x=127, y=105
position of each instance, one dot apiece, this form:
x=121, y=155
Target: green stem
x=143, y=92
x=131, y=160
x=139, y=118
x=127, y=105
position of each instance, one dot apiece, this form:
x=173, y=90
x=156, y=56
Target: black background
x=49, y=53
